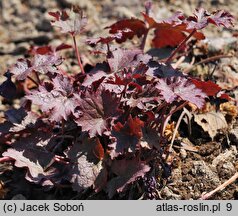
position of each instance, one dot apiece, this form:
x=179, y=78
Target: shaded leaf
x=126, y=137
x=127, y=171
x=162, y=70
x=30, y=152
x=86, y=166
x=151, y=137
x=7, y=88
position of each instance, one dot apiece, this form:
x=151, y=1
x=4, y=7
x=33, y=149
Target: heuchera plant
x=103, y=128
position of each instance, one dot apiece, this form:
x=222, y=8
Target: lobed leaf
x=57, y=101
x=86, y=166
x=127, y=172
x=126, y=137
x=128, y=28
x=179, y=88
x=96, y=110
x=73, y=22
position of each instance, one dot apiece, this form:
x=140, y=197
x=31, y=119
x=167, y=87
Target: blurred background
x=26, y=22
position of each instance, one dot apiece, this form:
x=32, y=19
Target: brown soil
x=24, y=23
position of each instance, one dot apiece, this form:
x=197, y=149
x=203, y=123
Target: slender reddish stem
x=142, y=46
x=179, y=46
x=5, y=159
x=78, y=55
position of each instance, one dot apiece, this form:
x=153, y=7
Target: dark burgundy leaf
x=162, y=70
x=8, y=89
x=151, y=137
x=126, y=137
x=5, y=127
x=29, y=152
x=91, y=78
x=135, y=27
x=62, y=47
x=96, y=108
x=16, y=115
x=127, y=171
x=29, y=121
x=43, y=50
x=101, y=181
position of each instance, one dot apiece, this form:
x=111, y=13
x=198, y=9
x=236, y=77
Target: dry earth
x=202, y=163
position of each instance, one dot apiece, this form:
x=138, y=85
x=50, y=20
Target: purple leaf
x=126, y=137
x=127, y=171
x=30, y=152
x=202, y=18
x=8, y=89
x=86, y=166
x=96, y=108
x=21, y=69
x=177, y=88
x=57, y=101
x=46, y=63
x=73, y=22
x=41, y=63
x=99, y=76
x=222, y=18
x=122, y=58
x=162, y=70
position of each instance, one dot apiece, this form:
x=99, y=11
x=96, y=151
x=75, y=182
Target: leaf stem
x=180, y=46
x=172, y=112
x=209, y=59
x=142, y=46
x=5, y=159
x=78, y=55
x=185, y=112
